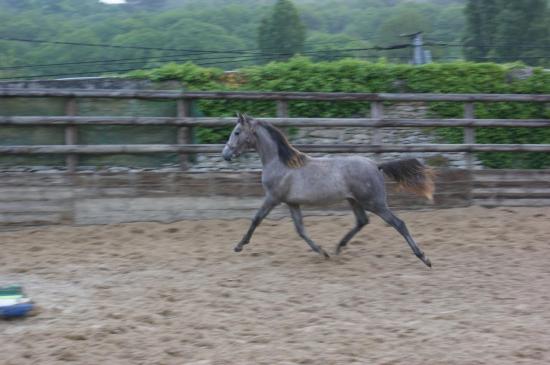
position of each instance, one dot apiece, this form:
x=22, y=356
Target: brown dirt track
x=149, y=293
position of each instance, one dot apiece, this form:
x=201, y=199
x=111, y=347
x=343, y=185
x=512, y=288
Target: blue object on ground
x=16, y=310
x=13, y=302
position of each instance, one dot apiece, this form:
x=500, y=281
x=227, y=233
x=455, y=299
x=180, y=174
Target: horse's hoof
x=238, y=249
x=427, y=261
x=325, y=254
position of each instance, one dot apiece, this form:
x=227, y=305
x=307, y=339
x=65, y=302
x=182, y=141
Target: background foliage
x=188, y=30
x=350, y=75
x=501, y=29
x=186, y=25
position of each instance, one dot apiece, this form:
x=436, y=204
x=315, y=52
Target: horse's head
x=241, y=138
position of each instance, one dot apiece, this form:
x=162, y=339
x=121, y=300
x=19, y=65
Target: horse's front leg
x=296, y=214
x=267, y=206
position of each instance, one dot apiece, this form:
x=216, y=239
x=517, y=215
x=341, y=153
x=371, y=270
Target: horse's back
x=318, y=182
x=333, y=179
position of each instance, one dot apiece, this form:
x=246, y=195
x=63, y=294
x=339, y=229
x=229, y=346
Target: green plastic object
x=11, y=291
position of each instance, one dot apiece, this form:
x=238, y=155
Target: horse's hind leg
x=296, y=214
x=400, y=226
x=361, y=221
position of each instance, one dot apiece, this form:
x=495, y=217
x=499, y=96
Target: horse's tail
x=411, y=175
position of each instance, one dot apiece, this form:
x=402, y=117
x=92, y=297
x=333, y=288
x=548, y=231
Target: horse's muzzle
x=227, y=153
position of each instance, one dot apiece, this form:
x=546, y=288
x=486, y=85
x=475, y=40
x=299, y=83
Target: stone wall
x=411, y=110
x=167, y=134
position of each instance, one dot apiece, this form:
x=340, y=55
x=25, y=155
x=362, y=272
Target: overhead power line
x=234, y=60
x=220, y=56
x=119, y=60
x=338, y=54
x=168, y=57
x=241, y=59
x=240, y=51
x=106, y=45
x=498, y=45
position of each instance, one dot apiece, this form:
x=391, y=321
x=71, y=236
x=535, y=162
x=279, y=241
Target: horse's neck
x=266, y=147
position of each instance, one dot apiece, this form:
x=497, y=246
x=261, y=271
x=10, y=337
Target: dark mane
x=289, y=155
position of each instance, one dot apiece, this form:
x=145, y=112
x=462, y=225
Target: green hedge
x=351, y=75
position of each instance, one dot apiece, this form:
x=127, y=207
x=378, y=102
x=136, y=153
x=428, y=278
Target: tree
x=506, y=30
x=480, y=27
x=330, y=47
x=281, y=34
x=521, y=30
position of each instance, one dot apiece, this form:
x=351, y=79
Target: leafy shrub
x=352, y=75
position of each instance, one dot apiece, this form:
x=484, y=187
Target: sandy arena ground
x=149, y=293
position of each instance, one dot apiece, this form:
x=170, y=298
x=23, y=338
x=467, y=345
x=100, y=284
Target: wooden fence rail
x=303, y=96
x=185, y=122
x=217, y=148
x=281, y=122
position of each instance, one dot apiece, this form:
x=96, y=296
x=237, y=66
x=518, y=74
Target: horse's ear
x=246, y=118
x=243, y=118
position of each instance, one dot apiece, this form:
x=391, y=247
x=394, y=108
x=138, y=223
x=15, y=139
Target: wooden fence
x=92, y=197
x=185, y=122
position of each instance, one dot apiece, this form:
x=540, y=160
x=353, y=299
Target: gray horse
x=292, y=177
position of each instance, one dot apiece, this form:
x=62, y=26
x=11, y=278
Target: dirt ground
x=149, y=293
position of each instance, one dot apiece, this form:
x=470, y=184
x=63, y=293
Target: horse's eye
x=237, y=133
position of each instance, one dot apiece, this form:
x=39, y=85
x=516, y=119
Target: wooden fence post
x=71, y=135
x=282, y=112
x=282, y=109
x=184, y=133
x=470, y=138
x=469, y=133
x=377, y=112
